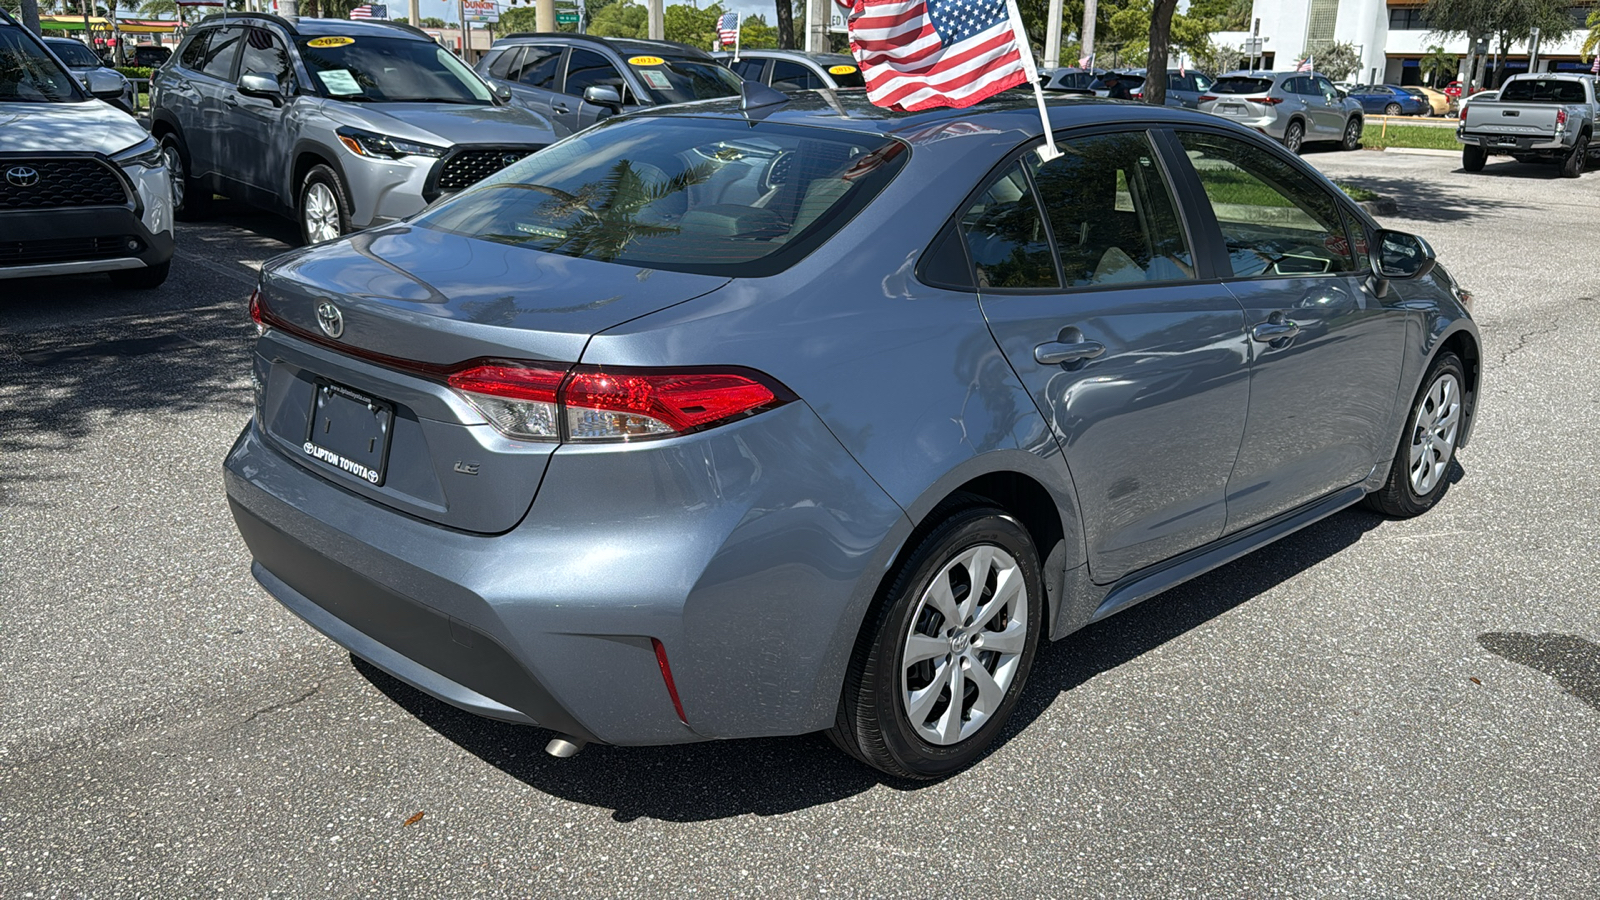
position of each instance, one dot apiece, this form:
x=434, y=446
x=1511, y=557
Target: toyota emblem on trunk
x=330, y=319
x=22, y=176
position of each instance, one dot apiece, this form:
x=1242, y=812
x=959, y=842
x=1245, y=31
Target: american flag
x=1595, y=69
x=919, y=54
x=728, y=28
x=370, y=11
x=1305, y=65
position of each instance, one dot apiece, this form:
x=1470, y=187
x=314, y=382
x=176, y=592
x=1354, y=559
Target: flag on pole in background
x=1595, y=69
x=370, y=11
x=1305, y=65
x=919, y=54
x=728, y=29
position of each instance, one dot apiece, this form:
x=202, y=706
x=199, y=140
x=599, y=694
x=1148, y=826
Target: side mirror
x=603, y=95
x=104, y=84
x=1401, y=256
x=254, y=84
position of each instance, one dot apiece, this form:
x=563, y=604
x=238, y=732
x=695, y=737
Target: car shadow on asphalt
x=770, y=776
x=1574, y=662
x=1429, y=202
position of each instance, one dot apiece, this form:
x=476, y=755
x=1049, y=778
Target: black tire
x=1399, y=497
x=1392, y=109
x=141, y=279
x=190, y=200
x=1473, y=158
x=1294, y=137
x=873, y=724
x=321, y=177
x=1352, y=134
x=1572, y=166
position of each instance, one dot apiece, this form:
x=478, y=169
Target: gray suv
x=81, y=61
x=341, y=124
x=791, y=70
x=1292, y=107
x=577, y=80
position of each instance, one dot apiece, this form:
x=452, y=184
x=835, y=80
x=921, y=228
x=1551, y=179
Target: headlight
x=145, y=154
x=370, y=143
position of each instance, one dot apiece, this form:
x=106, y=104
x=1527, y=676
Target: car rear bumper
x=1511, y=143
x=750, y=552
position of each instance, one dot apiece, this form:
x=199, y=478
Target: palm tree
x=1591, y=44
x=1437, y=65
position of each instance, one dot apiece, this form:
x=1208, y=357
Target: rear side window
x=1275, y=219
x=221, y=52
x=1006, y=237
x=194, y=52
x=689, y=195
x=1113, y=217
x=1242, y=86
x=538, y=67
x=788, y=76
x=749, y=69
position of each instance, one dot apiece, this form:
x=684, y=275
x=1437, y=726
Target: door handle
x=559, y=107
x=1055, y=353
x=1276, y=329
x=233, y=100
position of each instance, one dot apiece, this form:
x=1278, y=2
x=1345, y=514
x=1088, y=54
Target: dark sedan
x=729, y=420
x=1389, y=100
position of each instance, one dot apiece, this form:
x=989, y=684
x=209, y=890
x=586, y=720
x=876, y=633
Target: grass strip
x=1422, y=137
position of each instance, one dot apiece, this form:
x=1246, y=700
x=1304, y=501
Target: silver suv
x=341, y=124
x=791, y=70
x=1292, y=107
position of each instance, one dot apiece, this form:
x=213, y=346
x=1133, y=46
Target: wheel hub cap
x=965, y=645
x=1433, y=441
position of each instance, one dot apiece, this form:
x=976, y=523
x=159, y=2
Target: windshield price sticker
x=656, y=79
x=330, y=41
x=646, y=61
x=841, y=70
x=340, y=81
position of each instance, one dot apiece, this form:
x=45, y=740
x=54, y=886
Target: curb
x=1420, y=151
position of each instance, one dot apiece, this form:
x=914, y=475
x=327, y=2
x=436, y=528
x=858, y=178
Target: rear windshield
x=379, y=69
x=74, y=54
x=1540, y=90
x=690, y=195
x=1131, y=82
x=679, y=80
x=28, y=74
x=1242, y=86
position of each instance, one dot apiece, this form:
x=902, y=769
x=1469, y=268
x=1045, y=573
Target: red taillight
x=666, y=676
x=255, y=312
x=1463, y=116
x=1206, y=98
x=1137, y=95
x=1561, y=118
x=596, y=404
x=1269, y=101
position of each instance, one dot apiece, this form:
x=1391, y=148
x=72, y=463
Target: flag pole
x=1049, y=150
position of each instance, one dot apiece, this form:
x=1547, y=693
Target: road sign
x=564, y=17
x=836, y=23
x=480, y=10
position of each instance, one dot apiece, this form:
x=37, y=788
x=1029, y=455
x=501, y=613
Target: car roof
x=1013, y=110
x=312, y=27
x=623, y=46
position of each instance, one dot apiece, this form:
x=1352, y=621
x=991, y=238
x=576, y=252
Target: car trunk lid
x=351, y=379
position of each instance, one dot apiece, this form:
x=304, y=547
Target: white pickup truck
x=1540, y=116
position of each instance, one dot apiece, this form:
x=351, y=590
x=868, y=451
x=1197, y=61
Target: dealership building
x=1390, y=36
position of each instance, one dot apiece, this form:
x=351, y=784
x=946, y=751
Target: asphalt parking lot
x=1369, y=708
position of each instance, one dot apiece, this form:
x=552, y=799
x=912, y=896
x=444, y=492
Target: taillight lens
x=255, y=312
x=1269, y=101
x=598, y=404
x=519, y=401
x=1561, y=118
x=1206, y=98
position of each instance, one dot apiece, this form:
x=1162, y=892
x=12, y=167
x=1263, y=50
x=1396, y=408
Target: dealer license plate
x=350, y=431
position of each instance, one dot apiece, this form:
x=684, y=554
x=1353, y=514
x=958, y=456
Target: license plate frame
x=336, y=405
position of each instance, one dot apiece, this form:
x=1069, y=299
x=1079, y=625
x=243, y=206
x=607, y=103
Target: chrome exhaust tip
x=563, y=746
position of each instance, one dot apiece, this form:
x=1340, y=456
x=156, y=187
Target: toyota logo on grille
x=330, y=320
x=22, y=176
x=507, y=159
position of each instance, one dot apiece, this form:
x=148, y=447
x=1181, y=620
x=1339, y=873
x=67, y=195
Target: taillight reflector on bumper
x=592, y=403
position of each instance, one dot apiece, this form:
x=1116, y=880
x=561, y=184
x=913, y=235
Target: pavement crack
x=1523, y=339
x=276, y=707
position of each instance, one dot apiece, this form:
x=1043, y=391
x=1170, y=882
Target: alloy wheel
x=174, y=161
x=321, y=213
x=1433, y=440
x=965, y=643
x=1294, y=137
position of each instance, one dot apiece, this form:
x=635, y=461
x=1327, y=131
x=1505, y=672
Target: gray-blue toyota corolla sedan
x=776, y=415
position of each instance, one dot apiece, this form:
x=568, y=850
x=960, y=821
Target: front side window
x=393, y=70
x=264, y=54
x=1112, y=214
x=75, y=54
x=1006, y=236
x=586, y=68
x=28, y=74
x=221, y=52
x=1274, y=218
x=689, y=195
x=500, y=63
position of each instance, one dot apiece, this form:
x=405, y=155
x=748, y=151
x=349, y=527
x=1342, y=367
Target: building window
x=1406, y=19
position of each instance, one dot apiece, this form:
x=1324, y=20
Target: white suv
x=83, y=188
